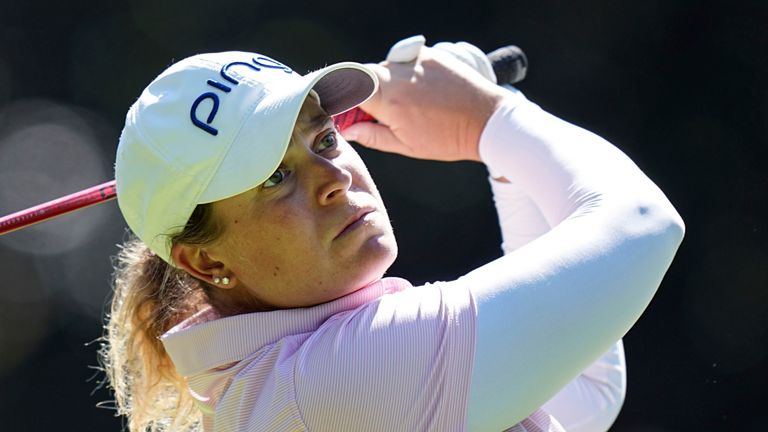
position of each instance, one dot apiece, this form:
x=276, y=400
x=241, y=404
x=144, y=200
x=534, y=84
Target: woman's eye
x=328, y=141
x=276, y=178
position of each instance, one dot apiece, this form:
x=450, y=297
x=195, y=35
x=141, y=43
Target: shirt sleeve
x=545, y=312
x=400, y=363
x=591, y=401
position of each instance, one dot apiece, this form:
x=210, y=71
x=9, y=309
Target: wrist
x=488, y=102
x=492, y=139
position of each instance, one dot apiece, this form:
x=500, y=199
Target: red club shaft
x=66, y=204
x=108, y=191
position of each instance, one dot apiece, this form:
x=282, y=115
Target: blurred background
x=678, y=85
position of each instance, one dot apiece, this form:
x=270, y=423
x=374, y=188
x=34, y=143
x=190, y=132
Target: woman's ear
x=195, y=261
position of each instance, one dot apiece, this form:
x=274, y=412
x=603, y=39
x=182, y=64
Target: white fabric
x=407, y=50
x=471, y=56
x=592, y=401
x=549, y=309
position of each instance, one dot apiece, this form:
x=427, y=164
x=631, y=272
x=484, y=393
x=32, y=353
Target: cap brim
x=344, y=88
x=261, y=143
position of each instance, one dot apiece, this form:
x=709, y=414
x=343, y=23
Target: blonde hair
x=150, y=297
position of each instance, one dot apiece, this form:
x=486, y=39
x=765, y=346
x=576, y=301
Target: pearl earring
x=217, y=280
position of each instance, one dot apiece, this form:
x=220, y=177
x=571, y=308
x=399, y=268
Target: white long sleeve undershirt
x=548, y=310
x=592, y=401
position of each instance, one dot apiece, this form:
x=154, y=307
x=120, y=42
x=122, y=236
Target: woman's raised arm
x=546, y=311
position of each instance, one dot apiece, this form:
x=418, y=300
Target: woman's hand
x=433, y=108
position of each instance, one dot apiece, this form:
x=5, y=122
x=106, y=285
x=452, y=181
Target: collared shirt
x=388, y=357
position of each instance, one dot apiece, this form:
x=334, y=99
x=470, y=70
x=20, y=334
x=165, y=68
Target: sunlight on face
x=316, y=230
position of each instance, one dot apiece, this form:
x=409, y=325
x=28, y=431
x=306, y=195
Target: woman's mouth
x=355, y=221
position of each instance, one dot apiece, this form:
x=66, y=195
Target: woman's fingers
x=434, y=107
x=376, y=136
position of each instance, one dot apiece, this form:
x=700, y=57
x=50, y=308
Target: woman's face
x=316, y=230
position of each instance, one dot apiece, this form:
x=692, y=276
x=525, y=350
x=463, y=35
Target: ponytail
x=150, y=297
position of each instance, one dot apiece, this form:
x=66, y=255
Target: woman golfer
x=254, y=298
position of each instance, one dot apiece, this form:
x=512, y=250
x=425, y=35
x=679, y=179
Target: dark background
x=678, y=85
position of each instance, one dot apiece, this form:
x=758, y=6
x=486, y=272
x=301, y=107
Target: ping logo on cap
x=256, y=64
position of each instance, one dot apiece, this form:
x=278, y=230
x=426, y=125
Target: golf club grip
x=509, y=64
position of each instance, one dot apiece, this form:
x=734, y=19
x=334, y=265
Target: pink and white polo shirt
x=388, y=357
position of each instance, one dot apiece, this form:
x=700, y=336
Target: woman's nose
x=332, y=181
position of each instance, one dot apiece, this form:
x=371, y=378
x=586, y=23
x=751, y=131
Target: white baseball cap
x=213, y=126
